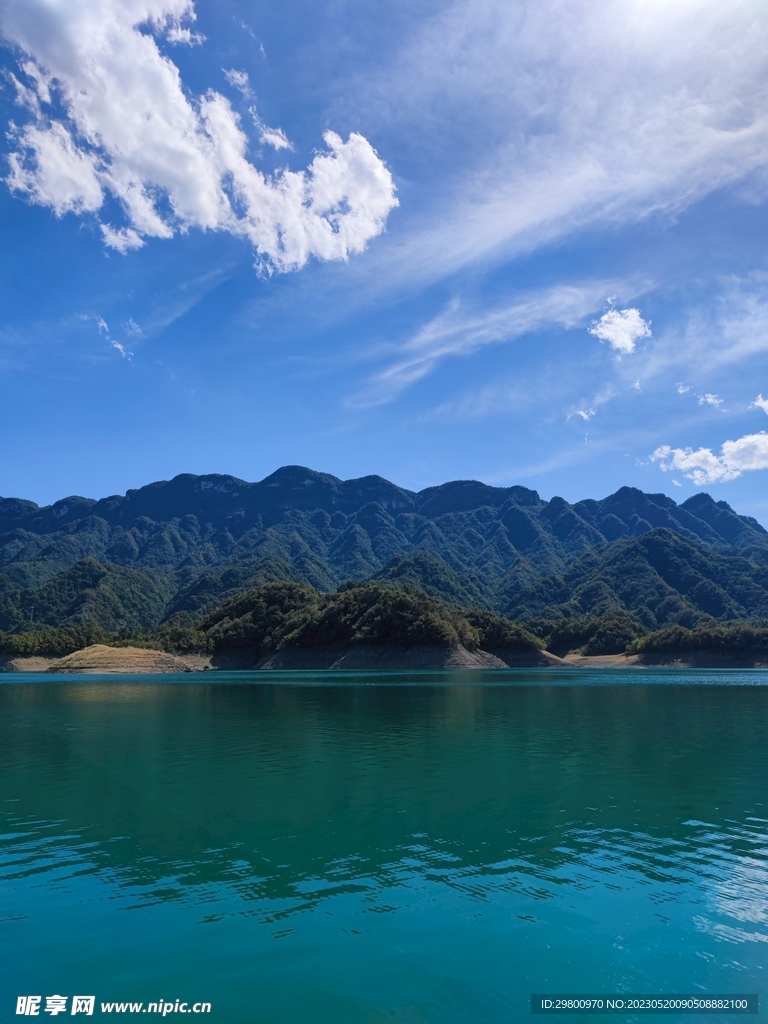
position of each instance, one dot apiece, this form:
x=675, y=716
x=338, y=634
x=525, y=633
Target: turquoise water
x=405, y=847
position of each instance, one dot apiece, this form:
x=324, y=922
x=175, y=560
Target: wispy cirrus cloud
x=107, y=115
x=274, y=137
x=571, y=115
x=705, y=338
x=588, y=410
x=103, y=329
x=458, y=332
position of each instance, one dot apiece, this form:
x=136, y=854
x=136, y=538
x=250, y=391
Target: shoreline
x=101, y=659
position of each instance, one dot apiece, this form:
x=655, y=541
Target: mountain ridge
x=199, y=539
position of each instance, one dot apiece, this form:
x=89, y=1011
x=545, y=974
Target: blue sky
x=531, y=250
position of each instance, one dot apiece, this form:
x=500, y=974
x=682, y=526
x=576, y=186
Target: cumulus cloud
x=622, y=329
x=705, y=467
x=710, y=399
x=682, y=389
x=110, y=117
x=760, y=403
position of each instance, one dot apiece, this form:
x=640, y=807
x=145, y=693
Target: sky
x=518, y=241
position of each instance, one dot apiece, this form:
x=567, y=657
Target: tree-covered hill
x=282, y=616
x=181, y=547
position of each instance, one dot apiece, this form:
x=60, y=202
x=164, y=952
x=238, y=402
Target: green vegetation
x=593, y=576
x=658, y=579
x=590, y=635
x=89, y=593
x=284, y=615
x=53, y=642
x=430, y=573
x=277, y=616
x=736, y=641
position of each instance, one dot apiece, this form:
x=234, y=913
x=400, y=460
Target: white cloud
x=710, y=399
x=605, y=395
x=760, y=403
x=676, y=482
x=240, y=80
x=456, y=332
x=501, y=398
x=120, y=348
x=123, y=239
x=739, y=328
x=131, y=131
x=103, y=328
x=62, y=175
x=704, y=467
x=636, y=385
x=725, y=329
x=622, y=329
x=275, y=137
x=183, y=36
x=571, y=114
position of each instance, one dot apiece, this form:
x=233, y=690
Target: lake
x=371, y=847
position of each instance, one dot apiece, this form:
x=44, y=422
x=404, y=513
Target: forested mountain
x=180, y=547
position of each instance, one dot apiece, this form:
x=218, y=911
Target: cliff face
x=184, y=545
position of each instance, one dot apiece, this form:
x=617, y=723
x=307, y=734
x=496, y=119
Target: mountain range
x=174, y=550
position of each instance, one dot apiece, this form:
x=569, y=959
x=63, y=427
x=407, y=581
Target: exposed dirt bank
x=370, y=656
x=34, y=664
x=603, y=661
x=129, y=660
x=100, y=659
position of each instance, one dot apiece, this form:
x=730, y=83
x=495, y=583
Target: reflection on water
x=383, y=852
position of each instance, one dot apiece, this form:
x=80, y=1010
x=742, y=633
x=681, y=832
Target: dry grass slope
x=102, y=659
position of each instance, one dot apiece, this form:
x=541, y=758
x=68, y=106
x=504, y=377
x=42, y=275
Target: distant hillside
x=660, y=578
x=177, y=549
